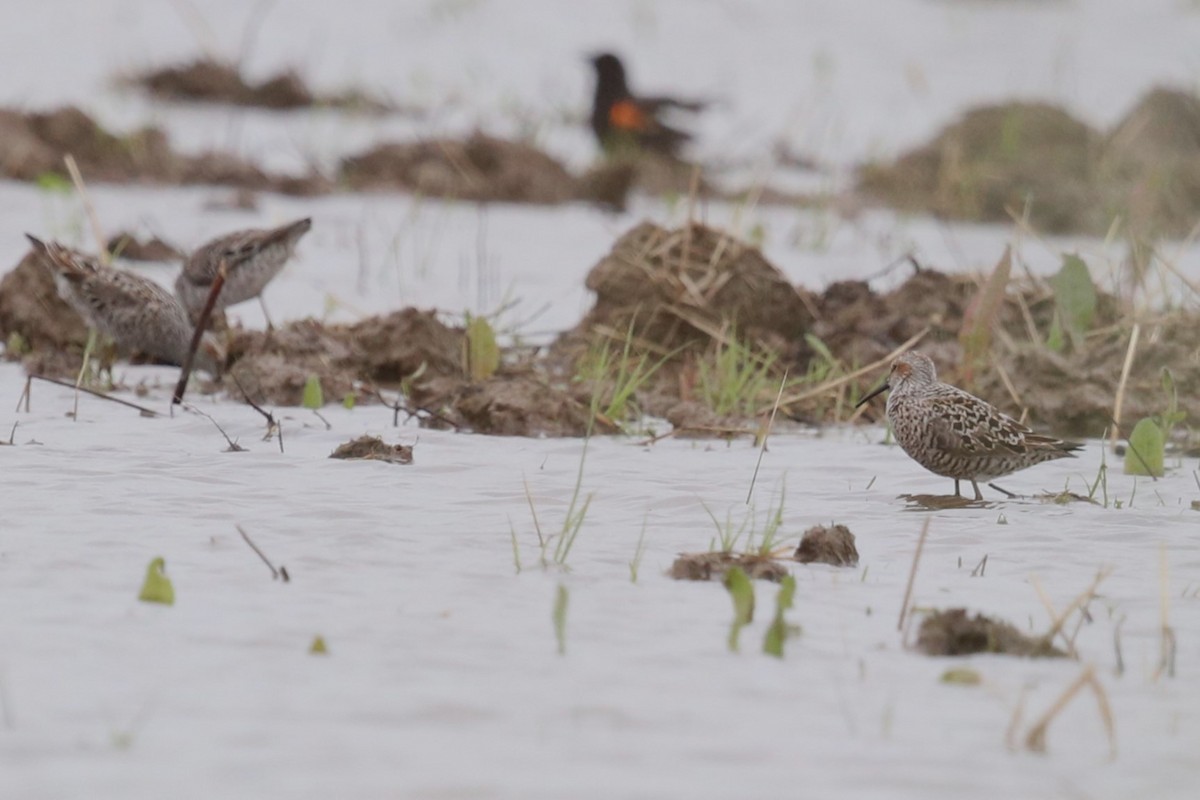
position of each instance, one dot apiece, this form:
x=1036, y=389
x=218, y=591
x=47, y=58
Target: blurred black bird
x=624, y=123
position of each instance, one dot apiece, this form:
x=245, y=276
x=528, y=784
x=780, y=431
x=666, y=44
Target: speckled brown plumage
x=135, y=312
x=252, y=258
x=955, y=434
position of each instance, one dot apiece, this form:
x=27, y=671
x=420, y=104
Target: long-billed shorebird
x=135, y=312
x=251, y=257
x=955, y=434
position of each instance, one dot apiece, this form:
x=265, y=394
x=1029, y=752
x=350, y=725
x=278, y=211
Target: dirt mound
x=397, y=345
x=33, y=145
x=989, y=164
x=953, y=633
x=31, y=308
x=713, y=566
x=680, y=289
x=372, y=448
x=128, y=246
x=1154, y=154
x=206, y=80
x=523, y=403
x=1074, y=395
x=827, y=545
x=481, y=168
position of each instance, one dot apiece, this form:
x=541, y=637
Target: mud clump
x=129, y=247
x=714, y=565
x=523, y=405
x=372, y=448
x=953, y=633
x=31, y=308
x=827, y=545
x=997, y=159
x=396, y=345
x=32, y=145
x=206, y=80
x=481, y=168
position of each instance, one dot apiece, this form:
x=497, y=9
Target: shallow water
x=440, y=652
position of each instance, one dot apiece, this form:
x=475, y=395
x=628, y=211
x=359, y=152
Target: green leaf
x=962, y=676
x=819, y=347
x=157, y=587
x=314, y=396
x=560, y=618
x=779, y=630
x=1055, y=340
x=318, y=648
x=483, y=354
x=16, y=345
x=1074, y=297
x=54, y=182
x=1144, y=456
x=742, y=591
x=349, y=401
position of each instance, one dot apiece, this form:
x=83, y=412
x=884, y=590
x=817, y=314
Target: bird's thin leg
x=266, y=316
x=957, y=493
x=978, y=494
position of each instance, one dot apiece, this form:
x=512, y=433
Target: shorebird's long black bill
x=874, y=393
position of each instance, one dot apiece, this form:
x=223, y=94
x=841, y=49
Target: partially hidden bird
x=134, y=312
x=624, y=122
x=251, y=258
x=953, y=433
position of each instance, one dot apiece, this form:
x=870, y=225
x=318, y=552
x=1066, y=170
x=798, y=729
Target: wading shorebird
x=135, y=312
x=252, y=258
x=955, y=434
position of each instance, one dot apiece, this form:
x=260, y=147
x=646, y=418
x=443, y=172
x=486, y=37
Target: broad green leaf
x=483, y=354
x=1144, y=455
x=314, y=396
x=1074, y=297
x=560, y=618
x=349, y=401
x=157, y=587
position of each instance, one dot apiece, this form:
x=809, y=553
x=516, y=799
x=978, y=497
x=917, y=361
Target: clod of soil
x=30, y=306
x=273, y=366
x=833, y=545
x=989, y=164
x=372, y=448
x=32, y=145
x=952, y=633
x=713, y=566
x=482, y=168
x=523, y=404
x=208, y=81
x=129, y=247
